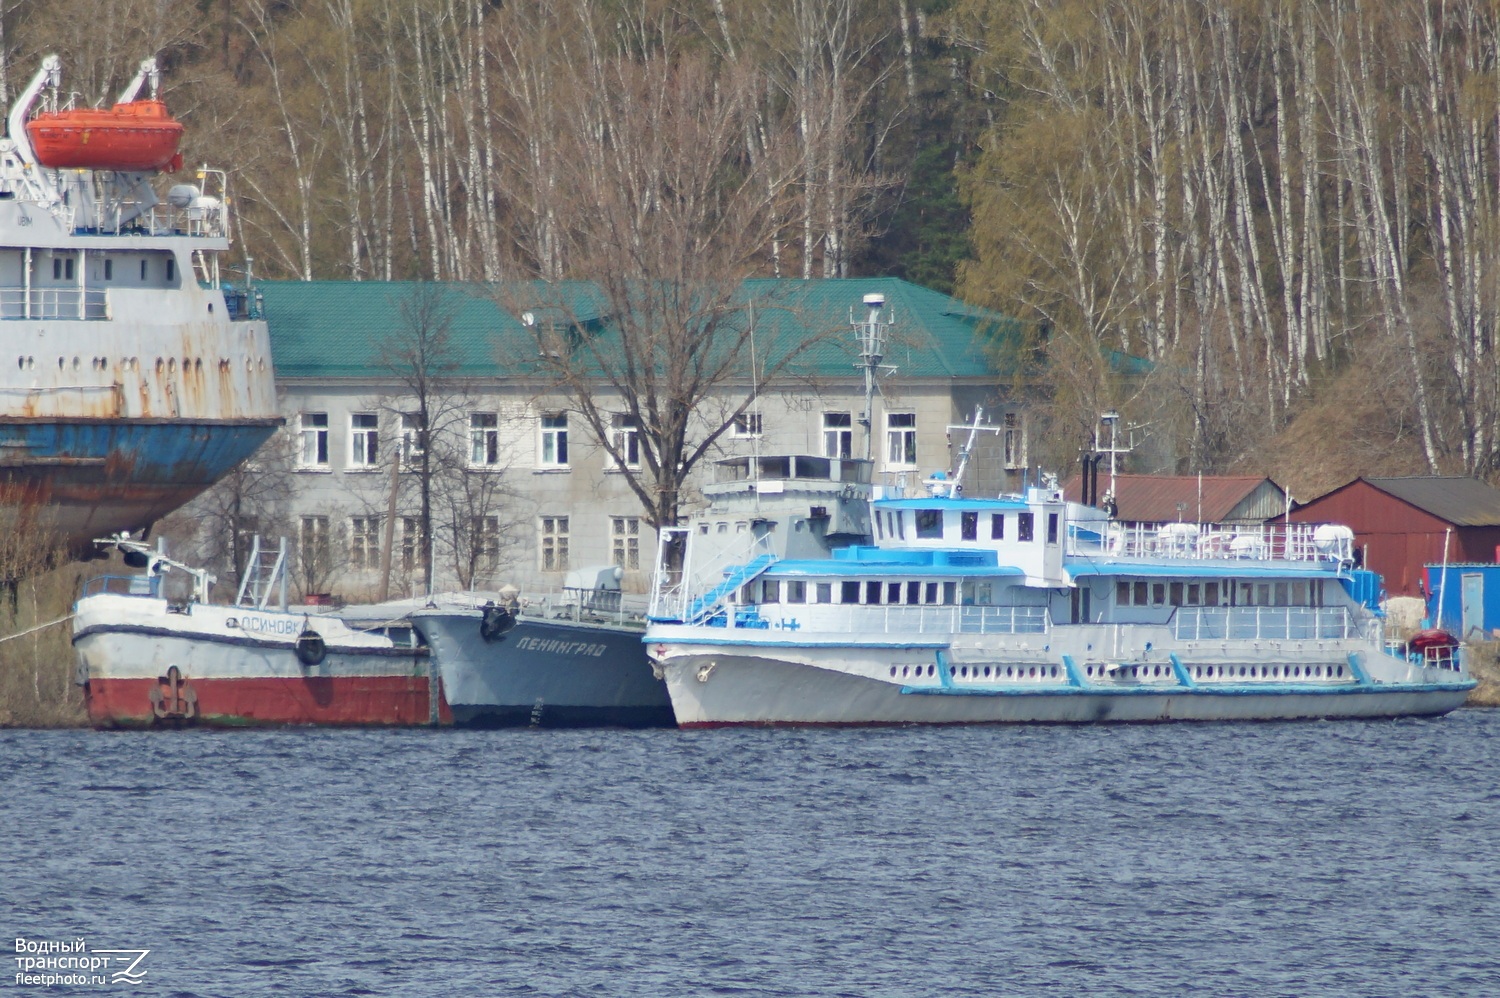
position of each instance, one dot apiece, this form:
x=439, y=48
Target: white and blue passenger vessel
x=1030, y=608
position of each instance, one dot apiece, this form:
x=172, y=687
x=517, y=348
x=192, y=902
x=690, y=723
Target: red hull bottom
x=351, y=700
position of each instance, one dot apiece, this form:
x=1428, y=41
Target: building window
x=364, y=543
x=901, y=439
x=411, y=544
x=554, y=440
x=555, y=543
x=484, y=439
x=312, y=545
x=486, y=536
x=625, y=437
x=625, y=541
x=838, y=434
x=314, y=451
x=364, y=440
x=413, y=439
x=747, y=424
x=1014, y=441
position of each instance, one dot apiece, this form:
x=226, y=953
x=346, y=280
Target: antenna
x=871, y=333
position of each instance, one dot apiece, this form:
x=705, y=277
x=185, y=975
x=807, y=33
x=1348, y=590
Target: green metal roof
x=343, y=329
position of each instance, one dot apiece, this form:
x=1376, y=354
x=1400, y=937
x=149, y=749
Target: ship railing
x=1264, y=623
x=595, y=606
x=698, y=572
x=122, y=585
x=1200, y=541
x=839, y=618
x=54, y=303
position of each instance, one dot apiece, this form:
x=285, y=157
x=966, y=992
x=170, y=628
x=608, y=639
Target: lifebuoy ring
x=495, y=621
x=310, y=647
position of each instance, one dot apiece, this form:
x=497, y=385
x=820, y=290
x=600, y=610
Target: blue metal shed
x=1464, y=599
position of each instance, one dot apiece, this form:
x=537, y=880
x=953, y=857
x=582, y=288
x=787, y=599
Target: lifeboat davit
x=131, y=137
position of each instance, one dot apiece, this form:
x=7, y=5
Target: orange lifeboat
x=131, y=137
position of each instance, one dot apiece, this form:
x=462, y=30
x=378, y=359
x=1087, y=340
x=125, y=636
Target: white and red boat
x=145, y=659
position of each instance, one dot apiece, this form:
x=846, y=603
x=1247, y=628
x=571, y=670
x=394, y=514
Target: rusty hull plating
x=132, y=375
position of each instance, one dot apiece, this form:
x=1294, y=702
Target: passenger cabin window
x=930, y=523
x=849, y=592
x=872, y=592
x=1024, y=522
x=796, y=592
x=171, y=270
x=825, y=592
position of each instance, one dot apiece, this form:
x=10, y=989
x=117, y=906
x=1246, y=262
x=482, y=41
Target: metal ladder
x=265, y=573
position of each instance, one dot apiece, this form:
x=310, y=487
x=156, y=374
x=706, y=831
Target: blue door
x=1473, y=604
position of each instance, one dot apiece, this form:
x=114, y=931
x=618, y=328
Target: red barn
x=1400, y=524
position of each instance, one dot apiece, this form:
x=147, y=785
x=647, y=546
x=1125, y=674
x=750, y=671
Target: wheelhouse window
x=901, y=439
x=313, y=452
x=969, y=526
x=838, y=434
x=554, y=441
x=484, y=439
x=997, y=526
x=1025, y=525
x=930, y=523
x=364, y=440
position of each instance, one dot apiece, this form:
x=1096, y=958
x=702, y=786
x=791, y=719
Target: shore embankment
x=36, y=650
x=1484, y=663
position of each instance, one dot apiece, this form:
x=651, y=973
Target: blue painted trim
x=1358, y=670
x=1075, y=674
x=727, y=639
x=1181, y=671
x=945, y=672
x=1278, y=690
x=1194, y=569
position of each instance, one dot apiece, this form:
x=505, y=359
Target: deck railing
x=1205, y=541
x=54, y=303
x=1268, y=623
x=841, y=618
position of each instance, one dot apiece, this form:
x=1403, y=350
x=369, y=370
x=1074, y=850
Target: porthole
x=932, y=670
x=893, y=672
x=1032, y=672
x=1009, y=671
x=1340, y=672
x=1054, y=672
x=905, y=670
x=986, y=672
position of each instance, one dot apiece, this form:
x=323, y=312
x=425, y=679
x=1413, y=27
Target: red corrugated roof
x=1154, y=498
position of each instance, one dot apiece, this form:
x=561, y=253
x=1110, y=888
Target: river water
x=1324, y=858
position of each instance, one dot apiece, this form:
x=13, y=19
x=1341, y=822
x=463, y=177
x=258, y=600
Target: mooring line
x=38, y=627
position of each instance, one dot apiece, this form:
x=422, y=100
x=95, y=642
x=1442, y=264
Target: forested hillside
x=1288, y=209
